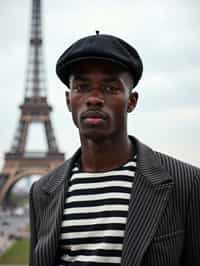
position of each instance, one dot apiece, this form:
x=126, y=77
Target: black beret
x=104, y=47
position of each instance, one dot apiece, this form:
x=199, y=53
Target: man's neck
x=106, y=154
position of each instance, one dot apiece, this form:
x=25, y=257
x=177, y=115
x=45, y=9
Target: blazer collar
x=55, y=179
x=148, y=165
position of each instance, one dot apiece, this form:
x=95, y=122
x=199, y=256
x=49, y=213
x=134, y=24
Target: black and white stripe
x=95, y=214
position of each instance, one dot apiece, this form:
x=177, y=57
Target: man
x=116, y=201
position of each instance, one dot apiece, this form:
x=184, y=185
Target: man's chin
x=94, y=135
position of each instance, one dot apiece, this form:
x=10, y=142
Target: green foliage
x=17, y=254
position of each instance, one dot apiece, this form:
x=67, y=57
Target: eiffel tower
x=19, y=163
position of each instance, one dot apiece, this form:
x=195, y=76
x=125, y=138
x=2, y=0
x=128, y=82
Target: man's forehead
x=88, y=76
x=107, y=68
x=101, y=70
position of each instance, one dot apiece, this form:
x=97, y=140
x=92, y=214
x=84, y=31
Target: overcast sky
x=165, y=33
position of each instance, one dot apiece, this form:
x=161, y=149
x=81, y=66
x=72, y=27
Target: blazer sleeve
x=192, y=241
x=33, y=231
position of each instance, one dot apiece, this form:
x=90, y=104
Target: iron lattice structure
x=35, y=108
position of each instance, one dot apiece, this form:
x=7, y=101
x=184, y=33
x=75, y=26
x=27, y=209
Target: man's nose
x=95, y=98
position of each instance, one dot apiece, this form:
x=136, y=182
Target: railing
x=35, y=154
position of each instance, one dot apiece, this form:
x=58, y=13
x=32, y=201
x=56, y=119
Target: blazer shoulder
x=186, y=179
x=180, y=171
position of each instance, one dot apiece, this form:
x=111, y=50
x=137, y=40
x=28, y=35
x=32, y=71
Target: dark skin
x=100, y=100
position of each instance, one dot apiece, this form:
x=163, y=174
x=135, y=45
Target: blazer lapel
x=150, y=193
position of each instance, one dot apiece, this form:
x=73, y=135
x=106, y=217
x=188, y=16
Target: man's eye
x=111, y=89
x=81, y=87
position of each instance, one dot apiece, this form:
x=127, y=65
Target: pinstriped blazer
x=163, y=223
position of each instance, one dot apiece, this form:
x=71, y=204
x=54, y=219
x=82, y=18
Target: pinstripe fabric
x=163, y=223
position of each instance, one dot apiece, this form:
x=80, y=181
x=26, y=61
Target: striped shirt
x=95, y=215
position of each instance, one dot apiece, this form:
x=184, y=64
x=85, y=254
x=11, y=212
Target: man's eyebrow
x=111, y=78
x=80, y=77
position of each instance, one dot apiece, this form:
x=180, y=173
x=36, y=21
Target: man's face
x=100, y=98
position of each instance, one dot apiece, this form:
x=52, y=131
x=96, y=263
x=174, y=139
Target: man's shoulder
x=179, y=170
x=52, y=177
x=173, y=163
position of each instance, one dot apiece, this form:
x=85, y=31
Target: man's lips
x=94, y=117
x=93, y=120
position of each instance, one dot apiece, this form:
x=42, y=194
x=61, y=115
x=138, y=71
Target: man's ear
x=68, y=100
x=133, y=98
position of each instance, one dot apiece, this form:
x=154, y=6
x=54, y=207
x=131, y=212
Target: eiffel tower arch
x=18, y=162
